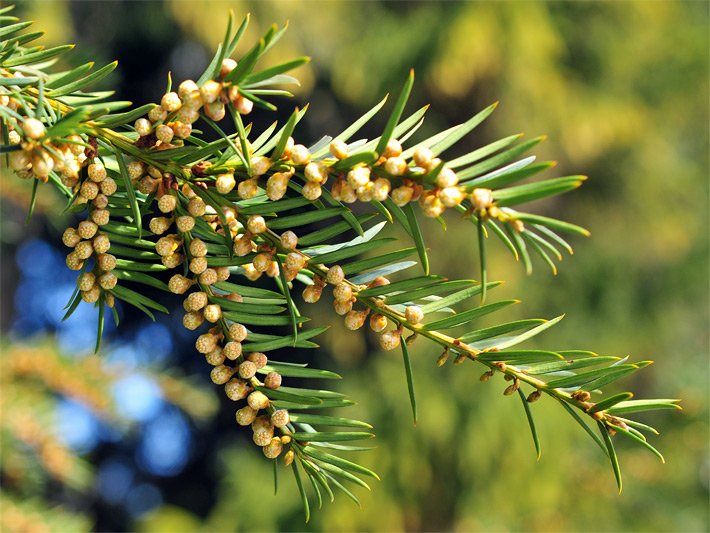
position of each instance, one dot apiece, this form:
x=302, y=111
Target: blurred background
x=139, y=439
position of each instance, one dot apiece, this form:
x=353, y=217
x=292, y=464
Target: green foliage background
x=622, y=91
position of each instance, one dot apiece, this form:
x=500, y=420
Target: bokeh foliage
x=621, y=90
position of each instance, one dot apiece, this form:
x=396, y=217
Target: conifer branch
x=235, y=206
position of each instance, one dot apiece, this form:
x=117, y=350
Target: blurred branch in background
x=56, y=412
x=621, y=90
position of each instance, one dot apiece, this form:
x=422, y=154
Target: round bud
x=190, y=111
x=237, y=332
x=534, y=396
x=390, y=340
x=289, y=240
x=517, y=225
x=335, y=275
x=315, y=172
x=299, y=155
x=86, y=281
x=106, y=262
x=312, y=293
x=154, y=172
x=167, y=203
x=260, y=165
x=187, y=87
x=164, y=133
x=359, y=177
x=74, y=262
x=355, y=319
x=378, y=322
x=196, y=207
x=243, y=105
x=159, y=225
x=70, y=237
x=273, y=270
x=272, y=380
x=381, y=189
x=280, y=418
x=89, y=190
x=258, y=358
x=108, y=186
x=221, y=374
x=173, y=260
x=431, y=205
x=135, y=169
x=339, y=149
x=147, y=185
x=215, y=110
x=446, y=178
x=396, y=166
x=342, y=307
x=179, y=284
x=210, y=91
x=258, y=400
x=247, y=370
x=366, y=193
x=414, y=314
x=215, y=357
x=232, y=350
x=248, y=189
x=167, y=245
x=92, y=295
x=185, y=223
x=157, y=114
x=198, y=265
x=212, y=313
x=451, y=196
x=228, y=65
x=182, y=128
x=294, y=261
x=108, y=281
x=289, y=457
x=101, y=243
x=206, y=342
x=262, y=262
x=401, y=196
x=276, y=185
x=20, y=160
x=342, y=292
x=171, y=102
x=100, y=217
x=223, y=273
x=422, y=156
x=256, y=224
x=236, y=389
x=97, y=172
x=33, y=128
x=192, y=320
x=481, y=198
x=245, y=416
x=263, y=437
x=196, y=301
x=208, y=277
x=393, y=149
x=312, y=191
x=83, y=250
x=143, y=127
x=273, y=449
x=225, y=183
x=198, y=248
